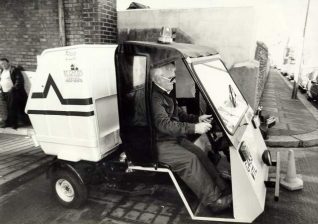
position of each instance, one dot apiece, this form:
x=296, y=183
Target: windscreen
x=222, y=91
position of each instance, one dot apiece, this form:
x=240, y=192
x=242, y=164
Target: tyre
x=68, y=189
x=309, y=98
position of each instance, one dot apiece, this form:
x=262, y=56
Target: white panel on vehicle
x=73, y=102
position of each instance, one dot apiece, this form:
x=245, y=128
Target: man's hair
x=156, y=72
x=4, y=59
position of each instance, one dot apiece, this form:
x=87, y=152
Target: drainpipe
x=62, y=36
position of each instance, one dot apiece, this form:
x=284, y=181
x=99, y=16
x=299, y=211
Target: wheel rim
x=64, y=190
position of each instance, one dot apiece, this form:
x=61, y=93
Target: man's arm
x=202, y=123
x=183, y=116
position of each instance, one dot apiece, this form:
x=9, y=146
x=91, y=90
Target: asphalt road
x=33, y=202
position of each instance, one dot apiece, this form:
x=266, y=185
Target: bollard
x=292, y=181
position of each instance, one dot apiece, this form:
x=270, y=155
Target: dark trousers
x=15, y=106
x=206, y=162
x=191, y=164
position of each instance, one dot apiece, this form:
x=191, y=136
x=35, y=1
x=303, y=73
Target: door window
x=139, y=70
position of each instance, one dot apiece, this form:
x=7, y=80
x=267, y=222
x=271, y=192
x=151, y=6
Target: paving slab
x=308, y=139
x=20, y=160
x=282, y=141
x=20, y=131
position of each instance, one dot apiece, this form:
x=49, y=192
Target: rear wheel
x=68, y=189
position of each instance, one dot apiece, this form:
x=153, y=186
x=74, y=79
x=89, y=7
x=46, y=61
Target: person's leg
x=208, y=165
x=21, y=108
x=12, y=110
x=6, y=99
x=189, y=168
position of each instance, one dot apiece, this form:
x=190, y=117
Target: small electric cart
x=90, y=107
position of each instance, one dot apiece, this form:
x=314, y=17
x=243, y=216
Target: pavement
x=297, y=119
x=296, y=127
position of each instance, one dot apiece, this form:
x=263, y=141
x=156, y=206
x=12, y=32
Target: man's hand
x=202, y=127
x=205, y=118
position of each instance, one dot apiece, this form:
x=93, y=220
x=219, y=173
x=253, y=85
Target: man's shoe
x=221, y=204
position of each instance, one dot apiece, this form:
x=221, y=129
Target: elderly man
x=186, y=159
x=13, y=92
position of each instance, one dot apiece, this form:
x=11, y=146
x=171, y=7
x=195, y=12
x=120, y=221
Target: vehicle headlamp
x=267, y=158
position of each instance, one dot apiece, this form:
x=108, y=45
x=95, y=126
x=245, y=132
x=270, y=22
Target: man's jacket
x=16, y=78
x=170, y=120
x=18, y=92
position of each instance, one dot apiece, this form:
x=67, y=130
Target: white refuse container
x=72, y=103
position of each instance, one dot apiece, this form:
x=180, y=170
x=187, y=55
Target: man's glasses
x=169, y=79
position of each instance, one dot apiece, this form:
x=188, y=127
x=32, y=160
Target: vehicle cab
x=203, y=86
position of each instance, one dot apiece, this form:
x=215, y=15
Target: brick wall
x=100, y=21
x=74, y=29
x=27, y=27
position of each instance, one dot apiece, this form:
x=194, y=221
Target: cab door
x=132, y=73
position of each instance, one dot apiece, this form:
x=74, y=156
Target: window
x=139, y=70
x=222, y=91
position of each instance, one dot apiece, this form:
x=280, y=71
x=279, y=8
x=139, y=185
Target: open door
x=134, y=117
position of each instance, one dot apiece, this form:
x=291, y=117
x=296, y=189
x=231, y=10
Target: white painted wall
x=230, y=30
x=277, y=22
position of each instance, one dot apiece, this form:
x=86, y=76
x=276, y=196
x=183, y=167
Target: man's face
x=4, y=64
x=168, y=77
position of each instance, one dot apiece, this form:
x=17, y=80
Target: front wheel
x=68, y=189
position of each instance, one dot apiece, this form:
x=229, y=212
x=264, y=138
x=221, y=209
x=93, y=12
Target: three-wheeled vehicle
x=90, y=107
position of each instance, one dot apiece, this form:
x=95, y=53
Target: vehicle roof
x=164, y=53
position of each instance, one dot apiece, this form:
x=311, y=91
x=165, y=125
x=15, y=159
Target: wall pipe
x=62, y=35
